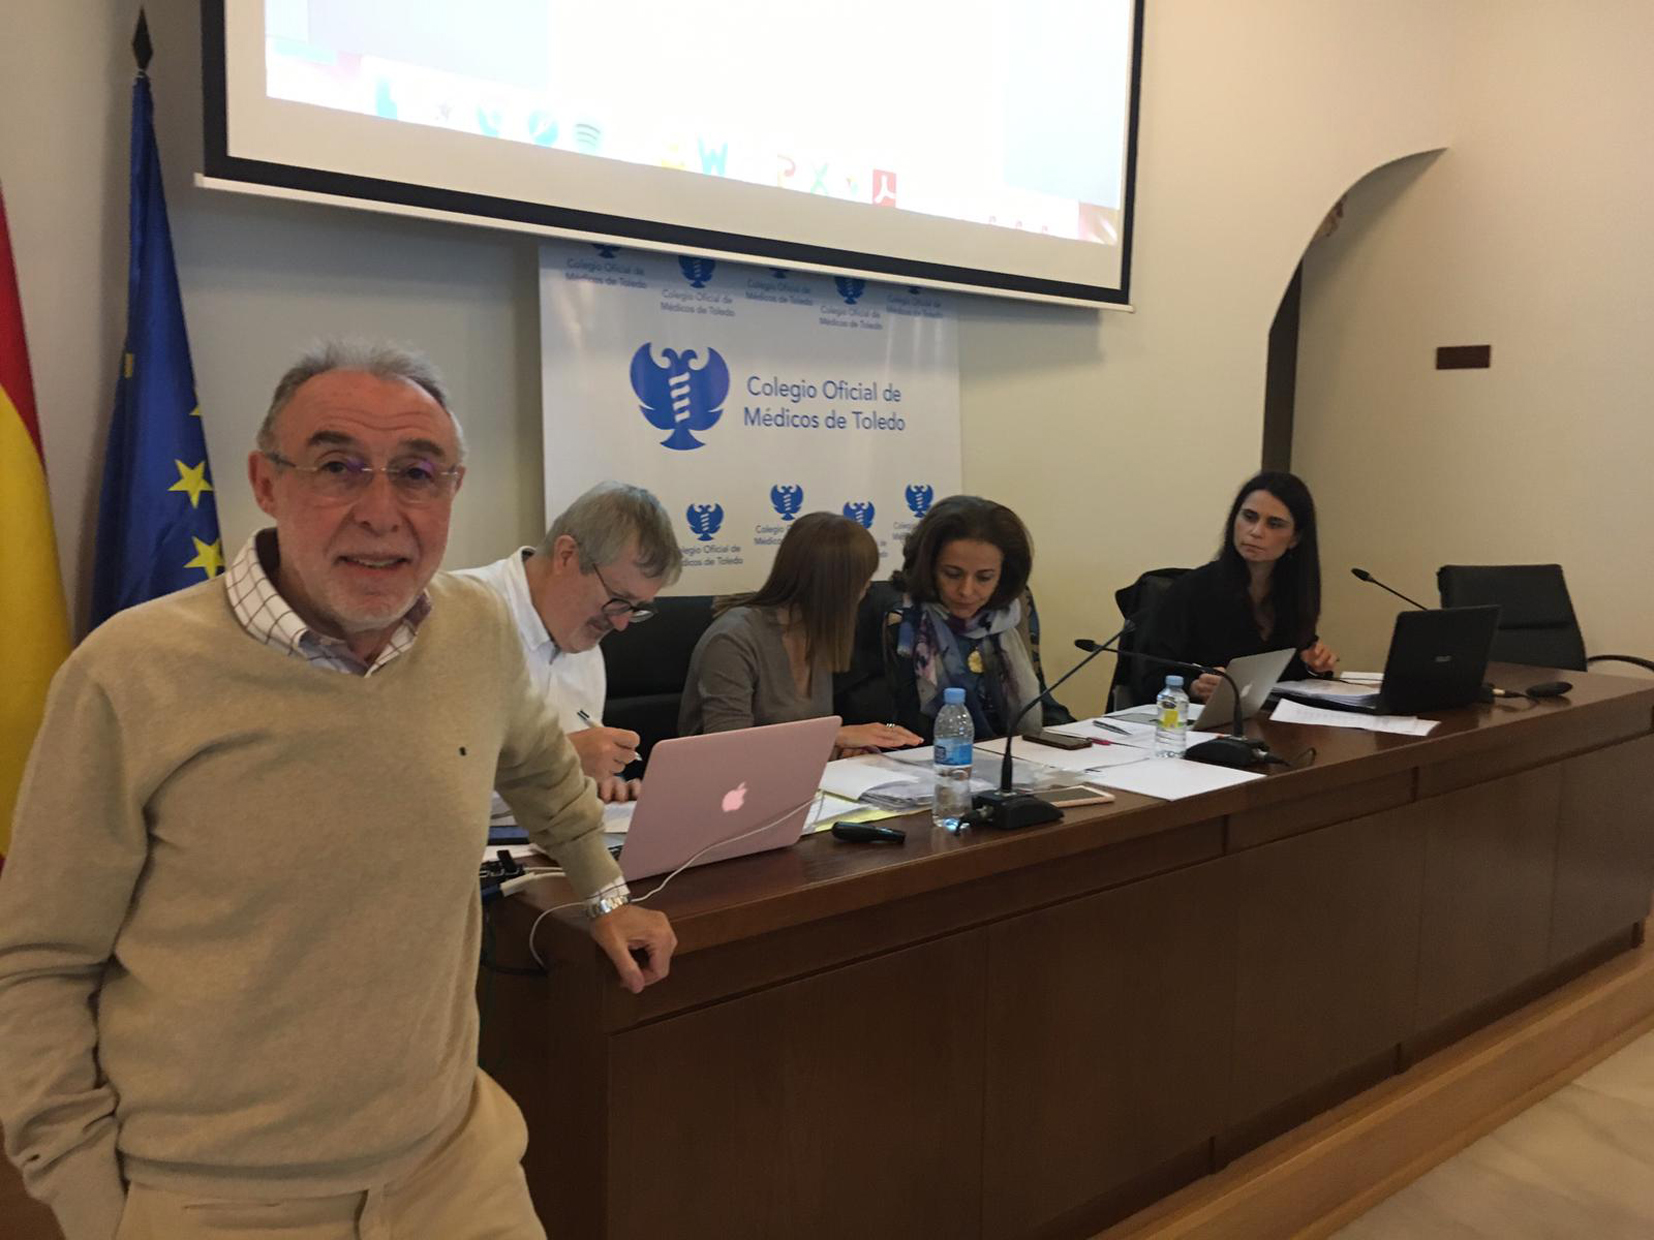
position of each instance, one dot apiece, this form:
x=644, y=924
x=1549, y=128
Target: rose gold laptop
x=726, y=794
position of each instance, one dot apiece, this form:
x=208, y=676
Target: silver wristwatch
x=602, y=905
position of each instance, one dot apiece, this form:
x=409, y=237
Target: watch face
x=607, y=904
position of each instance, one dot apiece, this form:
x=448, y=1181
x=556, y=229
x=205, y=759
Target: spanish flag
x=34, y=624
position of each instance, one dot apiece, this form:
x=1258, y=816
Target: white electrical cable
x=661, y=886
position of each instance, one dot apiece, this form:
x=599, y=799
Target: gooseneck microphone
x=1005, y=809
x=1361, y=574
x=1235, y=750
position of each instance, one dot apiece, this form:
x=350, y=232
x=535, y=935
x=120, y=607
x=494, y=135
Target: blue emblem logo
x=678, y=397
x=850, y=288
x=919, y=497
x=697, y=270
x=860, y=511
x=787, y=498
x=705, y=520
x=605, y=251
x=779, y=272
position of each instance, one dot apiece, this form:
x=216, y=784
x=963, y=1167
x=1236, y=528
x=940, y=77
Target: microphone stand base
x=1232, y=751
x=1005, y=810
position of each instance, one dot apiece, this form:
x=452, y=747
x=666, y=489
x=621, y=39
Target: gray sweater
x=739, y=677
x=239, y=924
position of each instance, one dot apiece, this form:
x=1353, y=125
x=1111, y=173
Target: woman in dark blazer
x=1262, y=592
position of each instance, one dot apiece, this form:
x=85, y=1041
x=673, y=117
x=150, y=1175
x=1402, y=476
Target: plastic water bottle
x=955, y=734
x=1171, y=726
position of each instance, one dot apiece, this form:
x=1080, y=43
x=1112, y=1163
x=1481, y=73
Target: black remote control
x=868, y=833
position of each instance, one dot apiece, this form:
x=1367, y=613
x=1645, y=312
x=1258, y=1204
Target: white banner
x=744, y=396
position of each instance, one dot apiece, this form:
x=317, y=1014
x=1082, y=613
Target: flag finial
x=142, y=49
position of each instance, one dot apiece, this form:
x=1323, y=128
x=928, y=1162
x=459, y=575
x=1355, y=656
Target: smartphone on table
x=1073, y=795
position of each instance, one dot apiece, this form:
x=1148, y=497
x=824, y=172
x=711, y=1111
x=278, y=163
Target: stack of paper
x=1091, y=758
x=1347, y=692
x=1287, y=711
x=1171, y=779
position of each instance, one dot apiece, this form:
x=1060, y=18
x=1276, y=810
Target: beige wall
x=1119, y=437
x=1531, y=234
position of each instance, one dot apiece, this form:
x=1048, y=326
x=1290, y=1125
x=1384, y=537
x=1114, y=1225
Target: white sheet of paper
x=519, y=852
x=1137, y=735
x=1297, y=712
x=827, y=808
x=850, y=777
x=1133, y=714
x=919, y=755
x=617, y=819
x=1171, y=779
x=1091, y=758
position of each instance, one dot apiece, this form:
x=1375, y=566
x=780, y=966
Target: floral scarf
x=987, y=656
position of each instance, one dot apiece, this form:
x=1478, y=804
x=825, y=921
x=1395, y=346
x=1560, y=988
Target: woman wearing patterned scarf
x=967, y=620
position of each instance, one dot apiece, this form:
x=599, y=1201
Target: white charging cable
x=533, y=930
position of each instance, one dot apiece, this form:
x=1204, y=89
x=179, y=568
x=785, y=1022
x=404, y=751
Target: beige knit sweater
x=239, y=923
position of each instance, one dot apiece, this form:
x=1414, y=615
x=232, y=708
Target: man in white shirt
x=597, y=569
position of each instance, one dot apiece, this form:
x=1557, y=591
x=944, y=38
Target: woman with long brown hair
x=769, y=656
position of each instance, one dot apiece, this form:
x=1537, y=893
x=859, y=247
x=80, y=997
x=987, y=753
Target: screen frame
x=224, y=170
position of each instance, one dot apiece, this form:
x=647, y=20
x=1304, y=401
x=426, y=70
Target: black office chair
x=1136, y=602
x=647, y=665
x=1536, y=616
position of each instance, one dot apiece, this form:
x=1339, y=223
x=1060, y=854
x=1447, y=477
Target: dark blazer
x=880, y=686
x=1204, y=617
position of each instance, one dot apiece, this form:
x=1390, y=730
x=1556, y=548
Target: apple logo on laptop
x=735, y=798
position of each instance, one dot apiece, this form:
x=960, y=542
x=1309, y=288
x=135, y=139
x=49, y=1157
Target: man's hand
x=633, y=928
x=1205, y=685
x=617, y=791
x=604, y=751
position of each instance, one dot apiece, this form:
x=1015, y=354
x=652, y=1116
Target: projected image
x=973, y=110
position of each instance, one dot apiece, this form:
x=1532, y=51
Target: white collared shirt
x=572, y=681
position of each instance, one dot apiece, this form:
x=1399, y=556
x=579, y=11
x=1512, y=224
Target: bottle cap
x=953, y=697
x=1174, y=682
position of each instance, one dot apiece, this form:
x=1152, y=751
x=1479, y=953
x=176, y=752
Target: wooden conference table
x=1036, y=1033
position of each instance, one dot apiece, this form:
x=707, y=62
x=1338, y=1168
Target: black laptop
x=1438, y=661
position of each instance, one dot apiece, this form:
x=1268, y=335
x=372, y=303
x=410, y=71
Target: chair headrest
x=1530, y=596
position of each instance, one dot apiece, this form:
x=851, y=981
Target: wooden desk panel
x=849, y=1103
x=1107, y=1023
x=1326, y=962
x=1054, y=991
x=1605, y=847
x=1489, y=866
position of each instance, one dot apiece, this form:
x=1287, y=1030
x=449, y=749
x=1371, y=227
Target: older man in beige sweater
x=239, y=925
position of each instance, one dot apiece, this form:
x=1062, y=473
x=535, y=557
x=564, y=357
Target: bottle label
x=1170, y=717
x=953, y=751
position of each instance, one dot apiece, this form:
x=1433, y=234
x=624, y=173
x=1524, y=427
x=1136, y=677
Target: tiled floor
x=1580, y=1164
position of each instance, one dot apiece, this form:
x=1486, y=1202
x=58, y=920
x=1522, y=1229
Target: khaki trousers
x=472, y=1188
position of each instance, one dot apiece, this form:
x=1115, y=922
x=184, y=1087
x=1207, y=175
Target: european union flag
x=157, y=523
